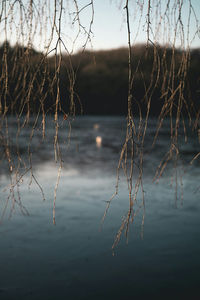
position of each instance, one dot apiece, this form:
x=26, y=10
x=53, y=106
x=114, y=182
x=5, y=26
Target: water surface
x=73, y=259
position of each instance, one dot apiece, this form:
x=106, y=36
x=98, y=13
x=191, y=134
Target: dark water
x=73, y=259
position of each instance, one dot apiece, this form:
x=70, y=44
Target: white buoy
x=98, y=141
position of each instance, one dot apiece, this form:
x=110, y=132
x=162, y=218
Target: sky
x=109, y=28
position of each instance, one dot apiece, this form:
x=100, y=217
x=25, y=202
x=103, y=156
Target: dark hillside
x=96, y=82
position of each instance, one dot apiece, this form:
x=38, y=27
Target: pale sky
x=110, y=29
x=109, y=25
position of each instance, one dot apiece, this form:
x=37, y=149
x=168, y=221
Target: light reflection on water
x=73, y=260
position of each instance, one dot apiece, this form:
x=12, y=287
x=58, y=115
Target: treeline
x=97, y=82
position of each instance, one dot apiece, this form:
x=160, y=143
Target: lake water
x=74, y=259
